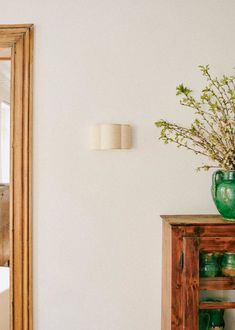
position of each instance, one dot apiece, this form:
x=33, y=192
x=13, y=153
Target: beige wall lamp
x=110, y=136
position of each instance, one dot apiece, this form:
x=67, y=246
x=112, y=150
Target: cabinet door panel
x=221, y=230
x=191, y=283
x=212, y=244
x=176, y=280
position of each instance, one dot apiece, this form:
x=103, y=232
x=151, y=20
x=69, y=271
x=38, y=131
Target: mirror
x=15, y=177
x=5, y=77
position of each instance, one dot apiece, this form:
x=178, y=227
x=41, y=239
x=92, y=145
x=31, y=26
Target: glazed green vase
x=212, y=319
x=204, y=320
x=216, y=319
x=223, y=192
x=209, y=266
x=228, y=264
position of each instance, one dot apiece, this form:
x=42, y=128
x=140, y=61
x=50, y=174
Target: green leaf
x=160, y=123
x=181, y=89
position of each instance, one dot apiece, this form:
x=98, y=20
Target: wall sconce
x=110, y=136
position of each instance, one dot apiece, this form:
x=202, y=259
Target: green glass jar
x=209, y=266
x=228, y=264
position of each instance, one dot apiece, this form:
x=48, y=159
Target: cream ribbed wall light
x=110, y=136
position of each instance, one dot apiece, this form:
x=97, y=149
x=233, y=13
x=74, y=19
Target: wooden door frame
x=20, y=39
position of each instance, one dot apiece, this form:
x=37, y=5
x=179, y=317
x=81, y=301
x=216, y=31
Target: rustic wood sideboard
x=184, y=237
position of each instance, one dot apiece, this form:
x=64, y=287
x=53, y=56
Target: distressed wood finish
x=176, y=288
x=217, y=283
x=220, y=244
x=185, y=236
x=166, y=278
x=202, y=230
x=190, y=283
x=20, y=39
x=217, y=305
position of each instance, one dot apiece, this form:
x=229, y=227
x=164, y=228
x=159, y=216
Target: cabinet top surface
x=194, y=219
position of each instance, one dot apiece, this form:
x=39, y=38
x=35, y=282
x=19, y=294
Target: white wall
x=97, y=231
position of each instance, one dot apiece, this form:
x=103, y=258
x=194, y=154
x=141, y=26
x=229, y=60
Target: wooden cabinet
x=184, y=238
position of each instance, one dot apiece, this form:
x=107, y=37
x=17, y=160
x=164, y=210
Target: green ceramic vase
x=216, y=319
x=209, y=266
x=204, y=320
x=228, y=264
x=223, y=192
x=212, y=319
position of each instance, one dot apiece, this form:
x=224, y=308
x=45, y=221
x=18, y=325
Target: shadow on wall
x=4, y=308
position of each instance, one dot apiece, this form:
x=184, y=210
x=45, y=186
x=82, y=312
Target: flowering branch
x=212, y=133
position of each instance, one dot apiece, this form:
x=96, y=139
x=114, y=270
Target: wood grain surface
x=4, y=226
x=184, y=237
x=20, y=39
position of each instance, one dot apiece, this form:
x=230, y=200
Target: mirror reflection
x=5, y=76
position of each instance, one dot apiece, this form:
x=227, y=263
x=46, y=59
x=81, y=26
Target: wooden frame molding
x=20, y=39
